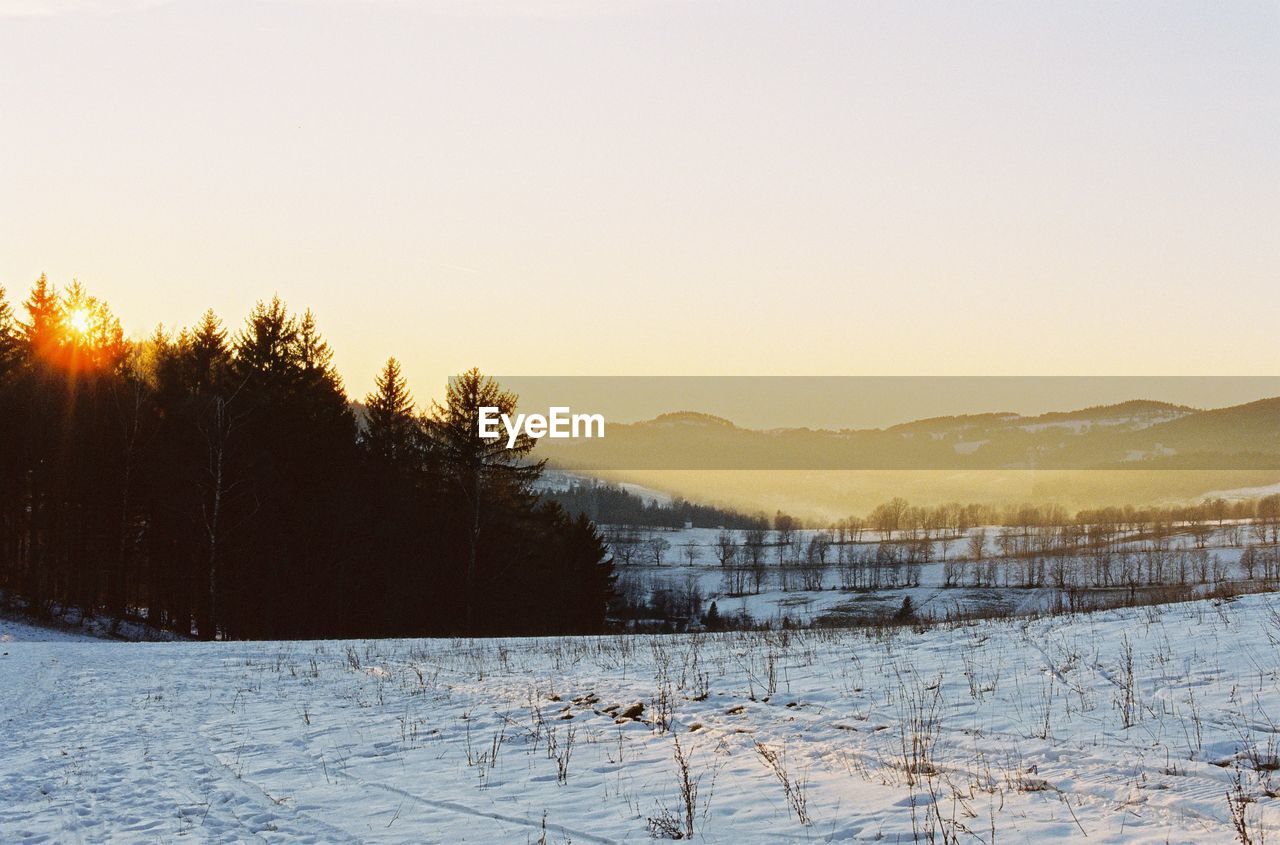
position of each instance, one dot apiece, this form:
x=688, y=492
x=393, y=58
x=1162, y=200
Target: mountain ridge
x=1135, y=434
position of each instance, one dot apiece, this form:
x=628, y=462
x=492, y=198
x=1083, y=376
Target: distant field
x=855, y=582
x=825, y=495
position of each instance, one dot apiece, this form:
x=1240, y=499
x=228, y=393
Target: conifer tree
x=219, y=481
x=482, y=470
x=314, y=354
x=207, y=353
x=90, y=334
x=42, y=329
x=12, y=431
x=263, y=348
x=8, y=337
x=392, y=432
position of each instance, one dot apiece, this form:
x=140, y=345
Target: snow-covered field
x=71, y=626
x=690, y=564
x=1146, y=725
x=12, y=630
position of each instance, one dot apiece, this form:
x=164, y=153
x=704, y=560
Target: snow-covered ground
x=72, y=625
x=1244, y=493
x=1122, y=726
x=12, y=630
x=558, y=479
x=691, y=563
x=772, y=603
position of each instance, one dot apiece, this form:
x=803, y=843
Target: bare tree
x=753, y=544
x=657, y=548
x=785, y=527
x=726, y=547
x=888, y=517
x=625, y=544
x=690, y=552
x=978, y=544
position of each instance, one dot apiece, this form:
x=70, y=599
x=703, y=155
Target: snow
x=558, y=479
x=14, y=630
x=1159, y=451
x=1243, y=493
x=1023, y=731
x=1074, y=426
x=69, y=624
x=798, y=605
x=1128, y=422
x=646, y=494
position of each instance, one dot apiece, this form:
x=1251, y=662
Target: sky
x=562, y=187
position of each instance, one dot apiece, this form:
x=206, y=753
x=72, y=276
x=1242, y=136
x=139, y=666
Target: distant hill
x=1133, y=435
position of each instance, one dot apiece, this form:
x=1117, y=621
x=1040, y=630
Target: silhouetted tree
x=482, y=470
x=392, y=433
x=221, y=486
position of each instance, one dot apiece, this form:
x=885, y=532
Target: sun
x=80, y=321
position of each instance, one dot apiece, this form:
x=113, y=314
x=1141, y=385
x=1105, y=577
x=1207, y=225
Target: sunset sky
x=558, y=187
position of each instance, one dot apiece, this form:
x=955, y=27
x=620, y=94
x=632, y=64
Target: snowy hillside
x=1149, y=725
x=70, y=625
x=14, y=630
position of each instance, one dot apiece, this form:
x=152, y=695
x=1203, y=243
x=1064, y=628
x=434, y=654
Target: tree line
x=610, y=504
x=1026, y=545
x=898, y=519
x=220, y=483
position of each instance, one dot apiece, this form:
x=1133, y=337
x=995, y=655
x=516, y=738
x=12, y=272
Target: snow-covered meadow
x=1154, y=724
x=802, y=594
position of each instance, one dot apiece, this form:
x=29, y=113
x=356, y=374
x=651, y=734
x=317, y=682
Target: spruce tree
x=263, y=348
x=90, y=335
x=314, y=354
x=8, y=337
x=484, y=471
x=222, y=481
x=391, y=431
x=12, y=432
x=207, y=353
x=42, y=331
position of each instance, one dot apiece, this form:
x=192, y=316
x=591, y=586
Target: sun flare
x=80, y=321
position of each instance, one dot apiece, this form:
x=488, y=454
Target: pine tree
x=314, y=354
x=8, y=336
x=222, y=481
x=392, y=431
x=264, y=347
x=907, y=611
x=12, y=431
x=42, y=330
x=299, y=445
x=712, y=618
x=482, y=470
x=90, y=335
x=207, y=353
x=454, y=428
